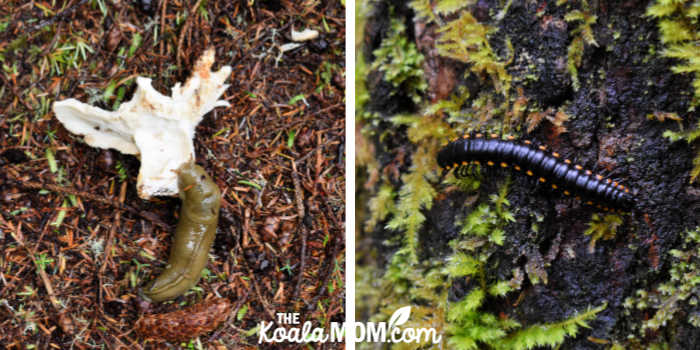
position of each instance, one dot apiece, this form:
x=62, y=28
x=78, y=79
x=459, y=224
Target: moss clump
x=401, y=62
x=466, y=40
x=417, y=192
x=583, y=34
x=604, y=228
x=467, y=323
x=680, y=294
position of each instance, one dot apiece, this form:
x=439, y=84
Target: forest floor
x=76, y=240
x=595, y=84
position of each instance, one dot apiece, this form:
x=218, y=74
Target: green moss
x=380, y=206
x=466, y=323
x=417, y=192
x=678, y=25
x=401, y=62
x=466, y=40
x=680, y=293
x=583, y=34
x=427, y=9
x=603, y=228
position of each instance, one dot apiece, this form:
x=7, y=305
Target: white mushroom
x=156, y=128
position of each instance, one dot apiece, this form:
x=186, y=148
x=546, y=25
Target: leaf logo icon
x=400, y=317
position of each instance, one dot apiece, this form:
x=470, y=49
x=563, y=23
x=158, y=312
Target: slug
x=184, y=324
x=194, y=235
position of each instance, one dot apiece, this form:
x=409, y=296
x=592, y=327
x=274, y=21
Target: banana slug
x=194, y=235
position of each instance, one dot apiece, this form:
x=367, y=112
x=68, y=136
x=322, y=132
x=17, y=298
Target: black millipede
x=547, y=167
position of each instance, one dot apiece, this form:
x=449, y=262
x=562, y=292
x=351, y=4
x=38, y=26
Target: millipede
x=535, y=161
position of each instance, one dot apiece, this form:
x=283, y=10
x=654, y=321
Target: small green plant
x=680, y=293
x=466, y=40
x=42, y=261
x=415, y=195
x=380, y=206
x=66, y=55
x=583, y=34
x=401, y=62
x=121, y=171
x=603, y=228
x=288, y=268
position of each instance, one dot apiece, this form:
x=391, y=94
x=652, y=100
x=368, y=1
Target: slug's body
x=534, y=161
x=194, y=234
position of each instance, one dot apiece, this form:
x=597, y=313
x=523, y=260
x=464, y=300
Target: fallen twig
x=299, y=196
